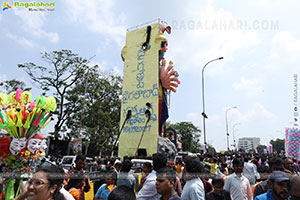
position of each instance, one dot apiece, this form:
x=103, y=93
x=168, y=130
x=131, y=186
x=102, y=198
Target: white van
x=68, y=162
x=137, y=164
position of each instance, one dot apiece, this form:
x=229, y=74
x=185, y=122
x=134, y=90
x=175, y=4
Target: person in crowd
x=146, y=169
x=66, y=194
x=218, y=192
x=249, y=171
x=165, y=184
x=44, y=185
x=294, y=186
x=275, y=164
x=124, y=177
x=255, y=165
x=79, y=167
x=264, y=163
x=178, y=187
x=178, y=166
x=213, y=165
x=118, y=166
x=237, y=184
x=193, y=188
x=108, y=186
x=223, y=168
x=207, y=185
x=278, y=183
x=289, y=166
x=75, y=183
x=260, y=180
x=122, y=193
x=296, y=165
x=106, y=166
x=148, y=190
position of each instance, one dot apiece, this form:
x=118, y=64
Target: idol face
x=34, y=145
x=16, y=145
x=43, y=147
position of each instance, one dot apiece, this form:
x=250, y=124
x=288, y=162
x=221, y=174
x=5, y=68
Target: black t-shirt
x=225, y=195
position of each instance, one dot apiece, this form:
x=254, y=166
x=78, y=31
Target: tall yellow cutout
x=140, y=86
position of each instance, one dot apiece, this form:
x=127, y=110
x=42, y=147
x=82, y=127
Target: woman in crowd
x=44, y=185
x=108, y=187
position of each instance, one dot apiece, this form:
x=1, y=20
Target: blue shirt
x=193, y=190
x=102, y=192
x=265, y=196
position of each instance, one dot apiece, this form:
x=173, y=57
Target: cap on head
x=278, y=176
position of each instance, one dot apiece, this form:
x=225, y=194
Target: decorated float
x=21, y=147
x=148, y=80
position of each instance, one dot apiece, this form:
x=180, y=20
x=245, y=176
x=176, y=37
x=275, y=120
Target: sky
x=259, y=40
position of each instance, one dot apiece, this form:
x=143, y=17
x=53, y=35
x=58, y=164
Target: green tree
x=189, y=135
x=260, y=148
x=96, y=106
x=61, y=72
x=211, y=150
x=278, y=145
x=12, y=85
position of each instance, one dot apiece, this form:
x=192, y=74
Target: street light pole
x=233, y=130
x=85, y=90
x=203, y=113
x=227, y=133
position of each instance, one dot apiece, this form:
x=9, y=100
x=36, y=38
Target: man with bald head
x=294, y=188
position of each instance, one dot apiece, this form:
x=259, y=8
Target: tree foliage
x=278, y=145
x=62, y=71
x=96, y=106
x=12, y=85
x=211, y=150
x=260, y=149
x=189, y=135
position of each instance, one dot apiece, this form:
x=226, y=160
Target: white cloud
x=248, y=87
x=213, y=33
x=257, y=113
x=98, y=16
x=33, y=22
x=257, y=121
x=194, y=117
x=21, y=40
x=285, y=46
x=117, y=70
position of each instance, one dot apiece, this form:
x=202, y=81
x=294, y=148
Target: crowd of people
x=234, y=176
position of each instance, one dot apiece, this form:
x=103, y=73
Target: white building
x=248, y=143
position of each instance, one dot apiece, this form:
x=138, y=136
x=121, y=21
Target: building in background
x=248, y=143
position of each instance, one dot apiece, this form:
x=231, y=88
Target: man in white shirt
x=148, y=191
x=249, y=171
x=237, y=184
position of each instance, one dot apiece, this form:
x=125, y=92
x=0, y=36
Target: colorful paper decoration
x=292, y=142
